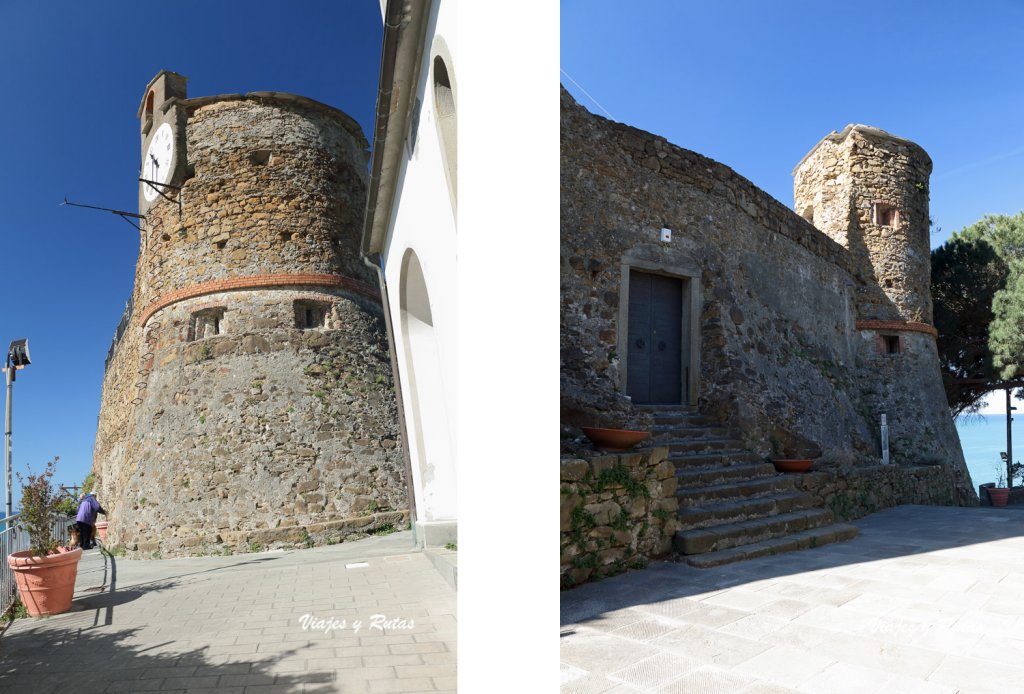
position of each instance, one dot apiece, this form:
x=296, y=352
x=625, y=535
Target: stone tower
x=247, y=399
x=868, y=190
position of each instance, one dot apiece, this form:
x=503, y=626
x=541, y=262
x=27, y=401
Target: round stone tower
x=248, y=402
x=868, y=190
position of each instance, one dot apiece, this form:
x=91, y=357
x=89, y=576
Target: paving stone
x=653, y=671
x=706, y=681
x=588, y=684
x=784, y=665
x=843, y=678
x=160, y=637
x=600, y=653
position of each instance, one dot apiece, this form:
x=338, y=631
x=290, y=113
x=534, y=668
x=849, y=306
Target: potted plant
x=615, y=440
x=1000, y=493
x=45, y=573
x=793, y=455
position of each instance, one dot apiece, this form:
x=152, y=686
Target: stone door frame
x=691, y=286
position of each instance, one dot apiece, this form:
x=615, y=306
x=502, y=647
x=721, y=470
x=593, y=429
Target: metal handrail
x=15, y=538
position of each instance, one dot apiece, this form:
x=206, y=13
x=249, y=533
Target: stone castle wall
x=269, y=429
x=784, y=356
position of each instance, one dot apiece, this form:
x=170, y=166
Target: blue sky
x=755, y=85
x=73, y=77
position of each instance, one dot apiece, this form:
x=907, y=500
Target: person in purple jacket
x=88, y=507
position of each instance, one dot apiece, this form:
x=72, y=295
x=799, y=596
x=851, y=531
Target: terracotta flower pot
x=101, y=530
x=46, y=584
x=998, y=495
x=615, y=440
x=792, y=464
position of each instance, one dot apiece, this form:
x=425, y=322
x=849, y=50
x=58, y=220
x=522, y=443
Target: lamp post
x=17, y=358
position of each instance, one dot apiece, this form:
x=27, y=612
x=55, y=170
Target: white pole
x=885, y=442
x=9, y=371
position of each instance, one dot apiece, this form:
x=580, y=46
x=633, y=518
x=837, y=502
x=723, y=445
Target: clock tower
x=160, y=117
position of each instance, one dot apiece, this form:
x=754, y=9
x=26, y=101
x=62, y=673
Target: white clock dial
x=156, y=165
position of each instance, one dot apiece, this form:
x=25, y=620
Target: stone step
x=700, y=445
x=695, y=517
x=734, y=491
x=689, y=409
x=750, y=531
x=703, y=459
x=675, y=431
x=683, y=419
x=807, y=539
x=706, y=475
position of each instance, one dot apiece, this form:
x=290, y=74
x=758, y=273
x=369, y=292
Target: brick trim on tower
x=906, y=326
x=259, y=282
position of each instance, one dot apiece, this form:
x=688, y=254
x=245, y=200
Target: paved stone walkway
x=235, y=624
x=926, y=600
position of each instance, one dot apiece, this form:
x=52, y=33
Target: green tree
x=966, y=275
x=1006, y=334
x=978, y=295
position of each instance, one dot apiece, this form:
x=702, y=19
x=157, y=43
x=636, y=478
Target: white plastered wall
x=420, y=269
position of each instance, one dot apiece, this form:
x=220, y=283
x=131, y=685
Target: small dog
x=76, y=539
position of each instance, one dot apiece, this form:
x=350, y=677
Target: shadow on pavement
x=49, y=660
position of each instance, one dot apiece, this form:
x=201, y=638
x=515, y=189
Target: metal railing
x=15, y=538
x=126, y=318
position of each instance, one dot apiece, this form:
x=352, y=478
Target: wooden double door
x=658, y=347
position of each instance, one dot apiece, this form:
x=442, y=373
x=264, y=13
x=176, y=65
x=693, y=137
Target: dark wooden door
x=655, y=348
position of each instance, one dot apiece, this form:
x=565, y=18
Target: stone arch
x=442, y=76
x=431, y=447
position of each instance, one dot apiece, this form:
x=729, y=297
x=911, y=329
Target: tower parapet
x=868, y=190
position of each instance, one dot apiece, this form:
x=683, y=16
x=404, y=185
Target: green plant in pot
x=999, y=494
x=45, y=573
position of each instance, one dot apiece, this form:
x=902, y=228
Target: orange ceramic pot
x=615, y=440
x=46, y=584
x=101, y=530
x=998, y=495
x=792, y=464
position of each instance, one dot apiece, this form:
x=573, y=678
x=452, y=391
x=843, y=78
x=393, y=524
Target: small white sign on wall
x=666, y=235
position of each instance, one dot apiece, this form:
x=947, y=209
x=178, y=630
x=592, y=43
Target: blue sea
x=983, y=437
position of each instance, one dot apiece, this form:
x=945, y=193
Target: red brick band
x=259, y=282
x=906, y=326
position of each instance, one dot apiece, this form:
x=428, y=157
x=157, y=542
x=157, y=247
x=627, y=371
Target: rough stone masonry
x=249, y=401
x=805, y=328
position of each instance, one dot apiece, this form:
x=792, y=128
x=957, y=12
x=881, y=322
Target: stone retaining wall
x=618, y=511
x=854, y=492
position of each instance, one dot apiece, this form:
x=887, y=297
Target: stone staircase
x=732, y=504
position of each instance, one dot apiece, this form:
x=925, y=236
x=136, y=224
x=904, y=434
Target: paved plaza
x=926, y=600
x=368, y=616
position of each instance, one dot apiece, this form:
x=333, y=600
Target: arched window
x=444, y=108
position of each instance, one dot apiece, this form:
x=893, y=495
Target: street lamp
x=17, y=358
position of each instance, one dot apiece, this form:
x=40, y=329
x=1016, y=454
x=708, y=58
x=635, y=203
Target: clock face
x=157, y=163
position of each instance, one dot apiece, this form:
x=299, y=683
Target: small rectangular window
x=206, y=323
x=892, y=344
x=884, y=214
x=310, y=314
